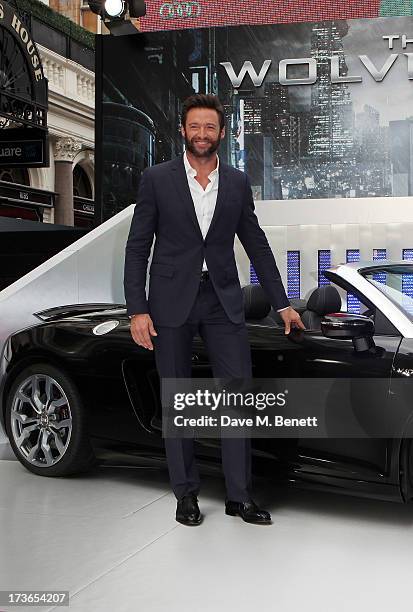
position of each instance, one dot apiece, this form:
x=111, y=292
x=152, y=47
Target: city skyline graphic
x=328, y=139
x=320, y=140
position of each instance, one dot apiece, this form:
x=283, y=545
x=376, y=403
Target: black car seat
x=323, y=300
x=256, y=305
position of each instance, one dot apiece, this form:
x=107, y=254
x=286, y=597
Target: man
x=195, y=204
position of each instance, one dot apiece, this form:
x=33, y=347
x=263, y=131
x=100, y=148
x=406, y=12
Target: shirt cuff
x=280, y=309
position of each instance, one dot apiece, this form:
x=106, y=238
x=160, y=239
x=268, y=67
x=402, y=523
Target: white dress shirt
x=204, y=199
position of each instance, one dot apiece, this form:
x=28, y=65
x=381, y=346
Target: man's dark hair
x=203, y=101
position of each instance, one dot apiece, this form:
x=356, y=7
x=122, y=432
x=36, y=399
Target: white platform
x=110, y=538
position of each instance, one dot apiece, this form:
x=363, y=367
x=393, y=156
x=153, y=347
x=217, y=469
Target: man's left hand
x=291, y=318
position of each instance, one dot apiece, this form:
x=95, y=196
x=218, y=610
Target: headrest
x=256, y=304
x=324, y=300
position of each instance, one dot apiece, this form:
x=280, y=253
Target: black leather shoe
x=187, y=510
x=248, y=511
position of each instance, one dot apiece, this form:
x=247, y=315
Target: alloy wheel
x=41, y=420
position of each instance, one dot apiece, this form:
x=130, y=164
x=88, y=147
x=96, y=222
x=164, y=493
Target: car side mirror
x=342, y=325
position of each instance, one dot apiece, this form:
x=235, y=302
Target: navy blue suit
x=165, y=208
x=180, y=305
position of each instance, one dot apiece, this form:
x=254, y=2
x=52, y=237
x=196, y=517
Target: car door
x=323, y=357
x=309, y=354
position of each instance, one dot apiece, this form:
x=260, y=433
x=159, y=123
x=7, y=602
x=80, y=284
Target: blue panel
x=379, y=254
x=407, y=279
x=353, y=304
x=352, y=255
x=324, y=262
x=293, y=274
x=253, y=276
x=407, y=254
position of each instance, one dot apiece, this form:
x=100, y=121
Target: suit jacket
x=165, y=208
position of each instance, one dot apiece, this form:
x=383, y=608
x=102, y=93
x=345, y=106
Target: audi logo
x=179, y=10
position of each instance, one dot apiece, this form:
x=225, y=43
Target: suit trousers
x=229, y=354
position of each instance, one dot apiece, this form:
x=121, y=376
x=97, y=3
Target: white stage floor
x=110, y=538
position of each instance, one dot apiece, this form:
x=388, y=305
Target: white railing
x=68, y=78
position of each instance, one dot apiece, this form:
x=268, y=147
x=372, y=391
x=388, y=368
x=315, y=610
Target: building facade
x=47, y=100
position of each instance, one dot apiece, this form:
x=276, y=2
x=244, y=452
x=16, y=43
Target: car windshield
x=396, y=282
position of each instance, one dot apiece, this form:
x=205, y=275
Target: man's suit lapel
x=181, y=184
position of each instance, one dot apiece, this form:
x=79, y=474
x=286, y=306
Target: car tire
x=44, y=400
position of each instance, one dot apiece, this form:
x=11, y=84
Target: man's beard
x=207, y=151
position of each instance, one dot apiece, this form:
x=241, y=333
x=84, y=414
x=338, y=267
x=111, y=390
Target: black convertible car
x=75, y=389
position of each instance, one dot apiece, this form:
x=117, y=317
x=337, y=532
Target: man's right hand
x=142, y=329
